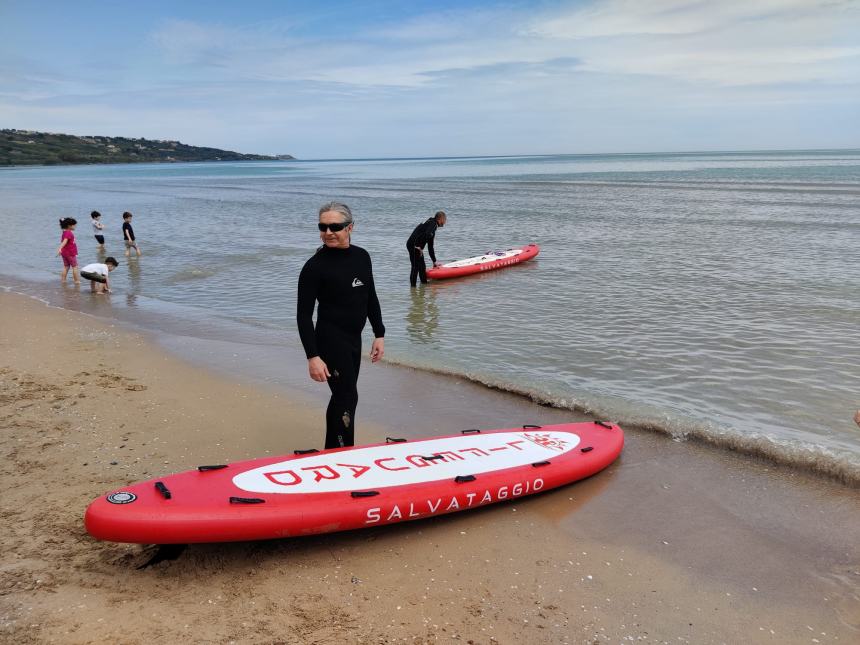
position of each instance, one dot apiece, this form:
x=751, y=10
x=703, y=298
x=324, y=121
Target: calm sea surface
x=710, y=295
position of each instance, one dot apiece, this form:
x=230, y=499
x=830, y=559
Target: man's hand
x=437, y=264
x=318, y=369
x=377, y=350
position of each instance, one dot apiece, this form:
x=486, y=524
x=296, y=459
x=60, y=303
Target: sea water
x=710, y=295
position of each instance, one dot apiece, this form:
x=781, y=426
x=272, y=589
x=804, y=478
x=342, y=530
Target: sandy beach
x=674, y=543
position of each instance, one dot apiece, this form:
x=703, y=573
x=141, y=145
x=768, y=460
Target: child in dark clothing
x=128, y=235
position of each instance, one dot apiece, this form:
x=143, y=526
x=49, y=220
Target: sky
x=409, y=79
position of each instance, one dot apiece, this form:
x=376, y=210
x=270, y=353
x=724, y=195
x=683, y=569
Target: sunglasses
x=334, y=228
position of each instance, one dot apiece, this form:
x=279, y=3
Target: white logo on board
x=357, y=283
x=407, y=463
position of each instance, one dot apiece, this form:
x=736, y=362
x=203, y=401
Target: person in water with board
x=422, y=236
x=340, y=277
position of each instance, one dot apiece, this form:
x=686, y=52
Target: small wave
x=797, y=455
x=187, y=275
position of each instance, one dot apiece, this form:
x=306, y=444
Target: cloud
x=492, y=80
x=730, y=42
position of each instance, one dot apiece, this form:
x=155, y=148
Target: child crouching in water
x=97, y=273
x=68, y=249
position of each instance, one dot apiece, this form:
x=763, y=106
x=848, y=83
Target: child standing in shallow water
x=98, y=229
x=128, y=235
x=68, y=249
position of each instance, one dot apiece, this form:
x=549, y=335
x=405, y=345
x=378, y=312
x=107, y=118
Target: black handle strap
x=161, y=488
x=538, y=464
x=247, y=500
x=394, y=440
x=531, y=426
x=364, y=493
x=305, y=452
x=204, y=469
x=587, y=449
x=470, y=431
x=464, y=478
x=604, y=424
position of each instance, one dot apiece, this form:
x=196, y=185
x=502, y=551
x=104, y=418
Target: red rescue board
x=351, y=488
x=490, y=261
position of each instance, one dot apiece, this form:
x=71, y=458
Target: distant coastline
x=31, y=148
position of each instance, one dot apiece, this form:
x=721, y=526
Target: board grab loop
x=604, y=424
x=364, y=493
x=531, y=426
x=309, y=451
x=470, y=431
x=161, y=488
x=204, y=469
x=247, y=500
x=460, y=479
x=394, y=440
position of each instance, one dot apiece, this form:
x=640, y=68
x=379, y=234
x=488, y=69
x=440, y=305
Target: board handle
x=531, y=426
x=364, y=493
x=464, y=478
x=247, y=500
x=161, y=488
x=394, y=440
x=204, y=469
x=604, y=424
x=470, y=431
x=305, y=452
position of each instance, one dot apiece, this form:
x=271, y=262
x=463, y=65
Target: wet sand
x=674, y=543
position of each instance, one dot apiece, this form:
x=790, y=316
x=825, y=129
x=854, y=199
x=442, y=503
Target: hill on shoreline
x=27, y=148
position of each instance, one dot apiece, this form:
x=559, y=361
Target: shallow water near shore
x=707, y=295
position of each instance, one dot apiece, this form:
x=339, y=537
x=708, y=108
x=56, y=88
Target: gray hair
x=337, y=207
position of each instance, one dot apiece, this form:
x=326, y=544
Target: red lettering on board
x=357, y=471
x=319, y=473
x=378, y=462
x=274, y=477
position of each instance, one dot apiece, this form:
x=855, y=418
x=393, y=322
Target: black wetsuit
x=342, y=281
x=423, y=235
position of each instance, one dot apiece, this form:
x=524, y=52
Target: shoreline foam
x=792, y=454
x=801, y=457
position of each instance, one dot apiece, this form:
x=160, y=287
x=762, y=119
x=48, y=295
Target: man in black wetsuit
x=340, y=277
x=423, y=235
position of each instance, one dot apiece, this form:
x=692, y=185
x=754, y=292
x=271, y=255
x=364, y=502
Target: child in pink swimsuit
x=68, y=249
